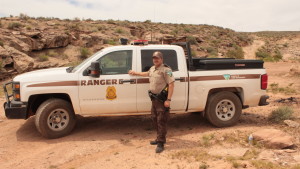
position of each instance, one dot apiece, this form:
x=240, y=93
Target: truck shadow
x=124, y=128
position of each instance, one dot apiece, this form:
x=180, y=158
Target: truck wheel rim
x=225, y=110
x=58, y=119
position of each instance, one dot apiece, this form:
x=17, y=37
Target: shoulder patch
x=169, y=73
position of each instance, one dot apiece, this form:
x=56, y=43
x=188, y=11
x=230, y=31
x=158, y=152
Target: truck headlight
x=16, y=91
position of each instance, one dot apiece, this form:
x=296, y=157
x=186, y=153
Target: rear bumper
x=15, y=110
x=263, y=100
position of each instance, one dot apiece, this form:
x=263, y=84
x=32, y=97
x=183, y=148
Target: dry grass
x=281, y=114
x=288, y=90
x=192, y=154
x=266, y=165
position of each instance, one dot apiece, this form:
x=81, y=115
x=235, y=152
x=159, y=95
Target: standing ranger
x=161, y=91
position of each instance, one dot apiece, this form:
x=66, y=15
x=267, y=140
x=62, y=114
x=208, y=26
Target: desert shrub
x=24, y=16
x=175, y=32
x=110, y=21
x=0, y=24
x=281, y=114
x=1, y=65
x=14, y=25
x=277, y=56
x=237, y=53
x=84, y=53
x=187, y=30
x=147, y=21
x=43, y=58
x=212, y=52
x=119, y=31
x=52, y=53
x=76, y=19
x=274, y=88
x=109, y=41
x=74, y=27
x=262, y=53
x=286, y=45
x=28, y=27
x=191, y=39
x=1, y=43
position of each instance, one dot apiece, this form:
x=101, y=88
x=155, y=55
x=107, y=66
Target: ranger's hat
x=157, y=54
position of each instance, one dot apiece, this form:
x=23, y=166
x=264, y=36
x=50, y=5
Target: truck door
x=144, y=60
x=114, y=92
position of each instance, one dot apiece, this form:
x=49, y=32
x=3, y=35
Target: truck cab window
x=170, y=58
x=118, y=62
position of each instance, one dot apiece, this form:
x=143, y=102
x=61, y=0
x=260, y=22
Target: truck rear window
x=170, y=58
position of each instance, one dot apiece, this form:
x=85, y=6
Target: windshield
x=85, y=61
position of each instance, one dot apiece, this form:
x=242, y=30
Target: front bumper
x=263, y=100
x=15, y=110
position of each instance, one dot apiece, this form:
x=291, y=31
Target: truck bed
x=225, y=63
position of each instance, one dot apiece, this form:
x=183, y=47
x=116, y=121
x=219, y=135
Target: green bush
x=262, y=53
x=43, y=58
x=84, y=53
x=191, y=39
x=110, y=21
x=212, y=52
x=119, y=31
x=14, y=25
x=147, y=21
x=237, y=53
x=23, y=16
x=277, y=56
x=281, y=114
x=109, y=41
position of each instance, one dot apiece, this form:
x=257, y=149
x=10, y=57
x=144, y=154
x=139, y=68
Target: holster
x=162, y=96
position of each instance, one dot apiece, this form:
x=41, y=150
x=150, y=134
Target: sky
x=239, y=15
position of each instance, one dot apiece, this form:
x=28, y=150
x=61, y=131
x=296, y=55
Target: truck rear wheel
x=55, y=118
x=223, y=109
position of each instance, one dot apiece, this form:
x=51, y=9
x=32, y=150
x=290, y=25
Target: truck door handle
x=128, y=81
x=180, y=79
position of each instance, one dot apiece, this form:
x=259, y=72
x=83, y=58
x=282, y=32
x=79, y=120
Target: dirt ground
x=123, y=142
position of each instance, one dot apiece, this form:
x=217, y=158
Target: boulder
x=19, y=42
x=22, y=62
x=55, y=40
x=292, y=123
x=273, y=138
x=295, y=70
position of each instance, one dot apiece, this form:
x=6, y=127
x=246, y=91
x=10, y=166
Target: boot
x=160, y=147
x=154, y=142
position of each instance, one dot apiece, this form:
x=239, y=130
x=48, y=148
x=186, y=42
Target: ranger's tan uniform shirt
x=159, y=78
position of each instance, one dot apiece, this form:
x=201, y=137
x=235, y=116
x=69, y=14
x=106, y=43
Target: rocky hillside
x=32, y=43
x=28, y=43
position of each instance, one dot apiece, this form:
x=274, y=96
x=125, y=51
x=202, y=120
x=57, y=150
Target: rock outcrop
x=273, y=138
x=21, y=62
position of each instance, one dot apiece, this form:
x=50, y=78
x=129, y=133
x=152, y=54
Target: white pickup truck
x=101, y=85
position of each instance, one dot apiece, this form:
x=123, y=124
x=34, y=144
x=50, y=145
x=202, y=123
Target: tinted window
x=118, y=62
x=170, y=58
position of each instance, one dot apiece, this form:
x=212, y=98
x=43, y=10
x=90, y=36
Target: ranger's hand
x=131, y=72
x=167, y=103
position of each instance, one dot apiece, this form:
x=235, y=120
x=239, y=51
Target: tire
x=223, y=109
x=55, y=118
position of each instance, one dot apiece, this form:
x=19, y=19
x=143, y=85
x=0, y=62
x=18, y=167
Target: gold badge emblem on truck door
x=111, y=93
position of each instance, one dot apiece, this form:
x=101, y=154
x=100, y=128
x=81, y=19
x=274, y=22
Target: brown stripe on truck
x=62, y=83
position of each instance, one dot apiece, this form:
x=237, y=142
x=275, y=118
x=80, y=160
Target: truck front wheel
x=223, y=109
x=55, y=118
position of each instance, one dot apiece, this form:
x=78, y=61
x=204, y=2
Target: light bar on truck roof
x=139, y=42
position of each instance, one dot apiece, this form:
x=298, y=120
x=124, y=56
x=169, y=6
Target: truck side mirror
x=94, y=69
